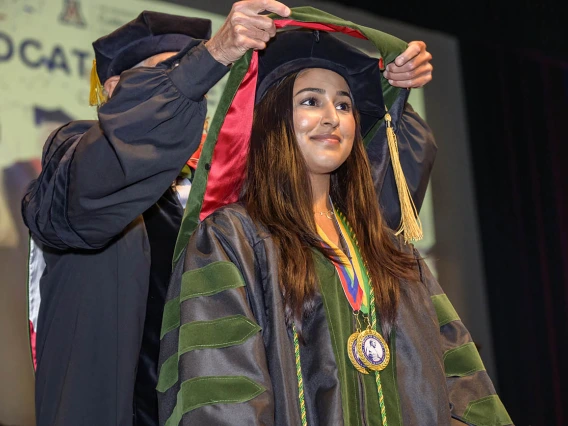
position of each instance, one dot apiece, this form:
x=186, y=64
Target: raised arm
x=417, y=148
x=417, y=151
x=412, y=68
x=98, y=176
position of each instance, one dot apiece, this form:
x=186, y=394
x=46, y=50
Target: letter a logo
x=71, y=13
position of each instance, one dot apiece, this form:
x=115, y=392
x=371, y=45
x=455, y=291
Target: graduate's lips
x=327, y=137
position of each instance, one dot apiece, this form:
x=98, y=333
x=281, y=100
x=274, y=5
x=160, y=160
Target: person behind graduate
x=298, y=305
x=106, y=214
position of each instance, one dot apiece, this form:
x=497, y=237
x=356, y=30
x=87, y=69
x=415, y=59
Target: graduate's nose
x=330, y=117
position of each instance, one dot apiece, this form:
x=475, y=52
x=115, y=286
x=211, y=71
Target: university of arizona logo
x=71, y=13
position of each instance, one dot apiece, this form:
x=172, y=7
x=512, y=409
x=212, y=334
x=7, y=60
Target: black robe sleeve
x=472, y=396
x=417, y=150
x=99, y=175
x=213, y=360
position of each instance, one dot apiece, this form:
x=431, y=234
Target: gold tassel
x=96, y=95
x=410, y=221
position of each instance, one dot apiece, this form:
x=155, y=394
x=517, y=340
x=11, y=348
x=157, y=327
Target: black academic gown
x=106, y=218
x=228, y=358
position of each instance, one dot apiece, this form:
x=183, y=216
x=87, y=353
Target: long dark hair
x=275, y=194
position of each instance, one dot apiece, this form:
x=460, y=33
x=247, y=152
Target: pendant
x=372, y=350
x=352, y=353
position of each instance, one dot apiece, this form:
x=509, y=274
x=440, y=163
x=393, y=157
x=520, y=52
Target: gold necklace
x=328, y=214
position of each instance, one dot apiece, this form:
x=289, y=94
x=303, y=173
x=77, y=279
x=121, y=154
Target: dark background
x=523, y=24
x=514, y=59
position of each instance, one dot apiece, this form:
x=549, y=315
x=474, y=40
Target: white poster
x=46, y=57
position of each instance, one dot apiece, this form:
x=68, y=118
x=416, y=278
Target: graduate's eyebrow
x=322, y=91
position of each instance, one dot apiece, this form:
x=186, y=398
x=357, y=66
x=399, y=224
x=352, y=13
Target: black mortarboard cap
x=149, y=34
x=293, y=50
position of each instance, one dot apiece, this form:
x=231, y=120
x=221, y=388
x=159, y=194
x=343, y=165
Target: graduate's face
x=323, y=119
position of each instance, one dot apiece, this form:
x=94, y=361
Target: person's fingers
x=253, y=33
x=255, y=22
x=418, y=61
x=416, y=82
x=272, y=30
x=258, y=6
x=409, y=75
x=250, y=38
x=413, y=49
x=245, y=28
x=276, y=7
x=420, y=81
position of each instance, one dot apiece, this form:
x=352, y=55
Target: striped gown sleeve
x=212, y=357
x=473, y=398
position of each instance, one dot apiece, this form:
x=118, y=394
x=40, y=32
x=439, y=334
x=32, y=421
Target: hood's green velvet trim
x=335, y=311
x=462, y=361
x=338, y=314
x=200, y=391
x=487, y=411
x=195, y=200
x=444, y=309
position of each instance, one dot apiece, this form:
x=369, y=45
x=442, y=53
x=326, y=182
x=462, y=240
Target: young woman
x=298, y=305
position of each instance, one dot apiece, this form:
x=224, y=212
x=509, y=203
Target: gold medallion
x=372, y=350
x=352, y=353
